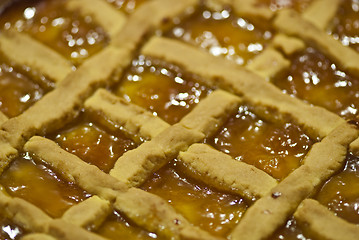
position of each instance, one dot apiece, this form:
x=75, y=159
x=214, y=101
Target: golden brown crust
x=287, y=45
x=323, y=224
x=314, y=12
x=138, y=205
x=151, y=211
x=223, y=172
x=269, y=64
x=252, y=88
x=37, y=236
x=22, y=50
x=322, y=161
x=135, y=166
x=108, y=18
x=250, y=9
x=134, y=119
x=89, y=214
x=345, y=57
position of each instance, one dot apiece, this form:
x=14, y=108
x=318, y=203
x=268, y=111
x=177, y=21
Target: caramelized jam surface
x=212, y=210
x=68, y=33
x=17, y=91
x=341, y=192
x=162, y=89
x=9, y=231
x=223, y=34
x=127, y=6
x=275, y=148
x=93, y=142
x=274, y=5
x=316, y=79
x=291, y=231
x=116, y=227
x=41, y=186
x=345, y=26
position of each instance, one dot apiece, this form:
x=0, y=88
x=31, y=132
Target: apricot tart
x=166, y=119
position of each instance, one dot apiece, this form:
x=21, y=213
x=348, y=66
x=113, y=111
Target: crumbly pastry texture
x=85, y=87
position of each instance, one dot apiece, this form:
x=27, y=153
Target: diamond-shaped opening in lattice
x=20, y=88
x=275, y=148
x=127, y=6
x=9, y=230
x=222, y=33
x=274, y=5
x=161, y=88
x=35, y=182
x=341, y=192
x=345, y=25
x=118, y=227
x=292, y=230
x=70, y=34
x=95, y=139
x=212, y=210
x=317, y=80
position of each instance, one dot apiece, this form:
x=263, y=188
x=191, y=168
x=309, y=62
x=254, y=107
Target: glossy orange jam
x=73, y=36
x=290, y=231
x=40, y=186
x=223, y=34
x=93, y=142
x=116, y=227
x=274, y=5
x=17, y=91
x=345, y=26
x=9, y=231
x=214, y=211
x=161, y=88
x=314, y=78
x=341, y=192
x=127, y=6
x=277, y=149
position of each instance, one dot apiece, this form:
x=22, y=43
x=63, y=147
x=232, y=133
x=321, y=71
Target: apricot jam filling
x=117, y=227
x=127, y=6
x=93, y=142
x=223, y=34
x=214, y=211
x=161, y=88
x=73, y=36
x=290, y=231
x=314, y=78
x=277, y=149
x=41, y=186
x=9, y=230
x=341, y=192
x=345, y=26
x=17, y=91
x=274, y=5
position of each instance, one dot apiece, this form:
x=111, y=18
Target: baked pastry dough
x=179, y=119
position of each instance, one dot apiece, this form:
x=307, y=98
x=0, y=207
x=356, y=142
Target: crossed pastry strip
x=277, y=201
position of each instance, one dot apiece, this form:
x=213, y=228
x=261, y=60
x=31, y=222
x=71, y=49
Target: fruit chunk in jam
x=345, y=26
x=341, y=192
x=92, y=142
x=17, y=92
x=68, y=33
x=127, y=6
x=41, y=186
x=314, y=78
x=274, y=5
x=223, y=34
x=212, y=210
x=275, y=148
x=116, y=227
x=162, y=89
